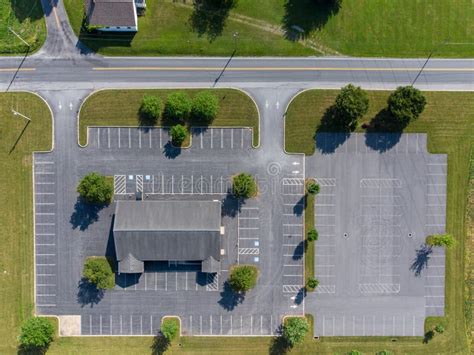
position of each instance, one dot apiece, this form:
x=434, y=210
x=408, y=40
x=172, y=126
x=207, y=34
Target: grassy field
x=166, y=29
x=16, y=210
x=392, y=28
x=121, y=108
x=25, y=17
x=449, y=121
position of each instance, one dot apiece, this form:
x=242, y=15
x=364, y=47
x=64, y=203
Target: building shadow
x=383, y=131
x=230, y=299
x=170, y=151
x=127, y=280
x=204, y=278
x=330, y=134
x=160, y=345
x=84, y=214
x=209, y=17
x=421, y=260
x=88, y=293
x=304, y=16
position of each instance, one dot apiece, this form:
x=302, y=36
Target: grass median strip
x=18, y=141
x=121, y=108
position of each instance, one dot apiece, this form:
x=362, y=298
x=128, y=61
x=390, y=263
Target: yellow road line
x=278, y=69
x=15, y=69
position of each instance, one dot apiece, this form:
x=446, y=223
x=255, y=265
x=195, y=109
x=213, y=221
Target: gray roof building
x=112, y=14
x=167, y=231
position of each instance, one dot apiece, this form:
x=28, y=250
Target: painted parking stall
x=248, y=233
x=45, y=205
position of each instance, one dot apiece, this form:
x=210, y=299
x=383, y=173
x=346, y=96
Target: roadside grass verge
x=449, y=121
x=25, y=17
x=166, y=29
x=16, y=208
x=121, y=108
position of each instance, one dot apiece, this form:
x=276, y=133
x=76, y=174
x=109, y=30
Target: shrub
x=243, y=278
x=439, y=329
x=441, y=240
x=36, y=333
x=350, y=105
x=313, y=235
x=178, y=106
x=98, y=271
x=178, y=134
x=313, y=188
x=94, y=188
x=384, y=352
x=150, y=107
x=406, y=104
x=205, y=107
x=355, y=352
x=244, y=185
x=312, y=283
x=169, y=328
x=294, y=330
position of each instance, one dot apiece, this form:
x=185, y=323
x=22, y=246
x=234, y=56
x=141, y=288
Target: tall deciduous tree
x=406, y=104
x=351, y=104
x=94, y=188
x=294, y=330
x=36, y=333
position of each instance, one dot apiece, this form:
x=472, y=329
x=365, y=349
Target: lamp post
x=236, y=37
x=16, y=113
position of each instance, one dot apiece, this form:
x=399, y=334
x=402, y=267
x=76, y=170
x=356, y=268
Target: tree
x=313, y=234
x=178, y=134
x=351, y=104
x=150, y=107
x=441, y=240
x=244, y=185
x=98, y=271
x=405, y=104
x=312, y=283
x=169, y=328
x=178, y=106
x=36, y=333
x=205, y=107
x=294, y=330
x=94, y=188
x=243, y=278
x=313, y=188
x=355, y=352
x=384, y=352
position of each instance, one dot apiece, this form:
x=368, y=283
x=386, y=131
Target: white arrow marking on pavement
x=70, y=106
x=266, y=103
x=278, y=105
x=60, y=106
x=294, y=297
x=295, y=171
x=296, y=163
x=294, y=306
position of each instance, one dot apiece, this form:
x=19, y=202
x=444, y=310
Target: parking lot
x=380, y=196
x=45, y=205
x=203, y=139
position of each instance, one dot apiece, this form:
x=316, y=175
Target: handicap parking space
x=248, y=234
x=45, y=220
x=221, y=138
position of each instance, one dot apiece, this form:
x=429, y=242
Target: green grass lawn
x=121, y=108
x=449, y=121
x=391, y=28
x=16, y=210
x=25, y=17
x=166, y=30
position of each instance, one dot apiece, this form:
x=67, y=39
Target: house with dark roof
x=112, y=15
x=167, y=231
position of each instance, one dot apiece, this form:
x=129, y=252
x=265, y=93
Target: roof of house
x=167, y=230
x=111, y=12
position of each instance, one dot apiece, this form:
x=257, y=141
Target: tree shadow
x=300, y=250
x=300, y=206
x=279, y=344
x=88, y=293
x=429, y=335
x=300, y=295
x=28, y=10
x=160, y=345
x=383, y=132
x=84, y=214
x=230, y=299
x=330, y=134
x=22, y=350
x=231, y=206
x=171, y=151
x=209, y=17
x=303, y=16
x=421, y=260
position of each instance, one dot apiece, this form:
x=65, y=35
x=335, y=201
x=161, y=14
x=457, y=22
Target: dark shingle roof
x=167, y=230
x=131, y=265
x=111, y=12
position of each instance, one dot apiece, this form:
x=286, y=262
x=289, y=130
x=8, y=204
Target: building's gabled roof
x=167, y=230
x=111, y=13
x=131, y=265
x=210, y=265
